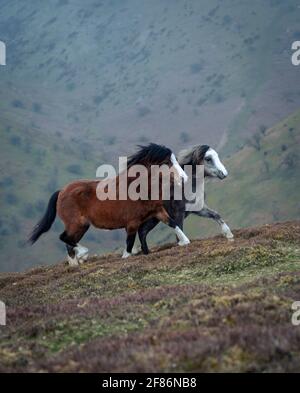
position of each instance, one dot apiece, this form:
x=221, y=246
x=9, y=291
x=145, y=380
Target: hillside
x=144, y=68
x=211, y=306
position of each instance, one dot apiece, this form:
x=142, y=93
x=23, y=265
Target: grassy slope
x=211, y=306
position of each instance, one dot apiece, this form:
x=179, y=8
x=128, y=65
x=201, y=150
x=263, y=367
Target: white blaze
x=218, y=164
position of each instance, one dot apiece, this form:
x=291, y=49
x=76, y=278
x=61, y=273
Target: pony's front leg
x=209, y=213
x=179, y=219
x=164, y=217
x=143, y=231
x=183, y=239
x=129, y=244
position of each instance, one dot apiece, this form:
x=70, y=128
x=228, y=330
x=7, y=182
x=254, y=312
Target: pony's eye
x=208, y=159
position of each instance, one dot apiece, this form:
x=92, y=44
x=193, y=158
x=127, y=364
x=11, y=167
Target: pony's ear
x=201, y=151
x=197, y=156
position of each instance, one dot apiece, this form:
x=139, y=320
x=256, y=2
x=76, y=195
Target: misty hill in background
x=85, y=82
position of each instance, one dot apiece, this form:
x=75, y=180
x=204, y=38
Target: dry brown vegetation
x=211, y=306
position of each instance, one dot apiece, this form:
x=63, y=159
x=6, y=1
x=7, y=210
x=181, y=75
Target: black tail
x=45, y=223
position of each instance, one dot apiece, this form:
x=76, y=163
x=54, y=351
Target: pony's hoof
x=83, y=259
x=183, y=242
x=230, y=239
x=229, y=235
x=135, y=250
x=82, y=253
x=126, y=254
x=227, y=232
x=73, y=261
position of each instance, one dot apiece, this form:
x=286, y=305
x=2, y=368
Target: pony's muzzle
x=222, y=174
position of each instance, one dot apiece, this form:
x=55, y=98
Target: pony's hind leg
x=76, y=253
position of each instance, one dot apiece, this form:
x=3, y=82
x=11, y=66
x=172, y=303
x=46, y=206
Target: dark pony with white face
x=213, y=168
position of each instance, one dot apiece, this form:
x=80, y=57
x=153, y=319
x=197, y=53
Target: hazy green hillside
x=86, y=81
x=196, y=69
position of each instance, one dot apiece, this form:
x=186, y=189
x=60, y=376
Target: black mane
x=193, y=156
x=151, y=154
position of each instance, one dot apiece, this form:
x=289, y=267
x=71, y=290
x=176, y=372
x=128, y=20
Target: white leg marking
x=218, y=164
x=183, y=240
x=135, y=250
x=126, y=254
x=226, y=231
x=82, y=253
